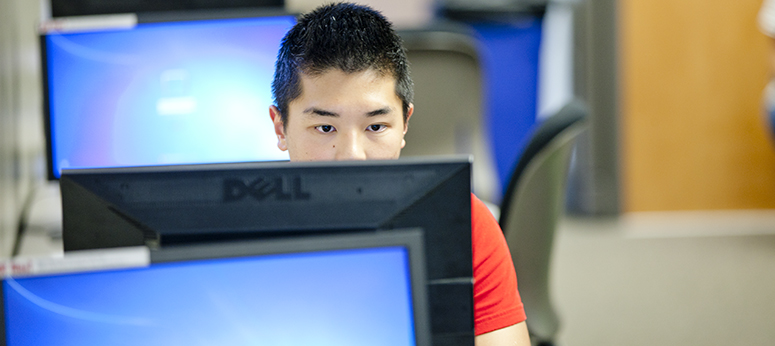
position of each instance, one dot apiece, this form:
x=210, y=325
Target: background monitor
x=127, y=91
x=170, y=205
x=324, y=290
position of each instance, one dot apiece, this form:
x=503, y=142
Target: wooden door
x=693, y=134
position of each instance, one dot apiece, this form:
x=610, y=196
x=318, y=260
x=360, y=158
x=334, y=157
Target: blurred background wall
x=403, y=13
x=692, y=132
x=21, y=131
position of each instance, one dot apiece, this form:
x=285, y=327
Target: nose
x=350, y=146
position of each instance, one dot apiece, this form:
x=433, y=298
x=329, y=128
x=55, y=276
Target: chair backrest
x=448, y=117
x=530, y=210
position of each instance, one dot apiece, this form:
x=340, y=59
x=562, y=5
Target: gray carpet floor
x=666, y=279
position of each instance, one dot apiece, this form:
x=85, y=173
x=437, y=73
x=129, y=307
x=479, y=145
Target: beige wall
x=21, y=131
x=403, y=13
x=693, y=136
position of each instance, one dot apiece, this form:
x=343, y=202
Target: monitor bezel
x=88, y=207
x=68, y=8
x=410, y=239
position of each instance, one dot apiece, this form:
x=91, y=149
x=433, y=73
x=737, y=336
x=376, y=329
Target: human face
x=343, y=116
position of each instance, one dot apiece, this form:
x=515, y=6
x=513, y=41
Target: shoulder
x=486, y=233
x=481, y=216
x=496, y=301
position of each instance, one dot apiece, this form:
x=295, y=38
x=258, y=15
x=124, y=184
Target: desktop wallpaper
x=163, y=93
x=348, y=297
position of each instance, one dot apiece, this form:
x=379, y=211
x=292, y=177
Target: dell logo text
x=277, y=188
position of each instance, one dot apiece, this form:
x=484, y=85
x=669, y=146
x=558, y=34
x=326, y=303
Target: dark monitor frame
x=251, y=200
x=410, y=239
x=65, y=8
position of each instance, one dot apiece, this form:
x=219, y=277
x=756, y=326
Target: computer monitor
x=366, y=289
x=133, y=90
x=170, y=205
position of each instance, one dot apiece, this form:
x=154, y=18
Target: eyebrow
x=318, y=111
x=325, y=113
x=380, y=111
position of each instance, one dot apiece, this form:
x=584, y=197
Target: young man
x=343, y=92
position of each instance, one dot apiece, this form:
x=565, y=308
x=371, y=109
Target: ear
x=279, y=127
x=409, y=113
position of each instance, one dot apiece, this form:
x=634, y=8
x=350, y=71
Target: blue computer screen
x=344, y=297
x=163, y=93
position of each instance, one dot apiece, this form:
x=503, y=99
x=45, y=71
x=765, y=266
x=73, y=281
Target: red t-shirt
x=496, y=301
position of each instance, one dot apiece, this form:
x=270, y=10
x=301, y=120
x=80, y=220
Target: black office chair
x=531, y=208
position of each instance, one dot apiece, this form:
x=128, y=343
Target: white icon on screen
x=175, y=98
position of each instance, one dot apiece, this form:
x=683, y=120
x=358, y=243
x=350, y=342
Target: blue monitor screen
x=343, y=297
x=162, y=93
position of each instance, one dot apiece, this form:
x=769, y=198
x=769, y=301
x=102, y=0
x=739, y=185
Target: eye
x=325, y=128
x=377, y=127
